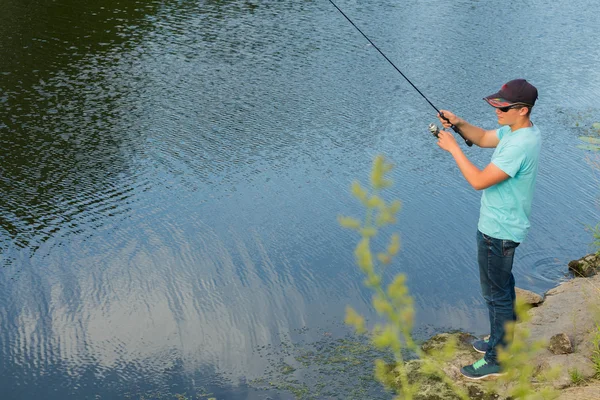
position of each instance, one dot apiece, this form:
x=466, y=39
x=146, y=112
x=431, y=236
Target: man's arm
x=479, y=179
x=477, y=135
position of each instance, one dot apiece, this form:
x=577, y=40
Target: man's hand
x=447, y=142
x=491, y=175
x=450, y=120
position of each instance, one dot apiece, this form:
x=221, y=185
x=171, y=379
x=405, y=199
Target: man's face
x=510, y=115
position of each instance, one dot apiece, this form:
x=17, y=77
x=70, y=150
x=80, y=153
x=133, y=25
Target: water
x=171, y=173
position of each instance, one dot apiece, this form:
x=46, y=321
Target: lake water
x=171, y=173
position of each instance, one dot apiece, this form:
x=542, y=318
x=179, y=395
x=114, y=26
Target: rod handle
x=467, y=141
x=455, y=129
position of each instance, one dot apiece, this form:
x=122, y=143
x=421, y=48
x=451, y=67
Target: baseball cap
x=517, y=91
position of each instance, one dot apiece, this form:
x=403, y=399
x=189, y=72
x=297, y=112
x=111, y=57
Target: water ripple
x=171, y=173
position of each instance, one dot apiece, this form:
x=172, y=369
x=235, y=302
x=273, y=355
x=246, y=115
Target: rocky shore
x=566, y=317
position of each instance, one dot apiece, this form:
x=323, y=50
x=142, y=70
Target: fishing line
x=454, y=128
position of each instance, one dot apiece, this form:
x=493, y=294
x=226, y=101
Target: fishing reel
x=435, y=131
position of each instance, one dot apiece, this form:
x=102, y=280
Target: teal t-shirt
x=506, y=206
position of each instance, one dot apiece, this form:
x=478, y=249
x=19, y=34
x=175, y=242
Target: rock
x=476, y=392
x=565, y=364
x=560, y=344
x=586, y=266
x=437, y=342
x=569, y=308
x=429, y=387
x=531, y=298
x=591, y=392
x=432, y=388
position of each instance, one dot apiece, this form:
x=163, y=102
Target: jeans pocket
x=508, y=248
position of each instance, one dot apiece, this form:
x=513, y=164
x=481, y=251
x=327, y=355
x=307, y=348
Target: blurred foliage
x=516, y=360
x=391, y=301
x=596, y=350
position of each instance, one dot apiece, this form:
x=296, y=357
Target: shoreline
x=567, y=317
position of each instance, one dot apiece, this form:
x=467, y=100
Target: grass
x=576, y=377
x=596, y=351
x=596, y=236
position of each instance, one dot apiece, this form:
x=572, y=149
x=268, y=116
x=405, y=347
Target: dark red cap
x=517, y=91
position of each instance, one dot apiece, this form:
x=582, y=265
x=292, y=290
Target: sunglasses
x=505, y=109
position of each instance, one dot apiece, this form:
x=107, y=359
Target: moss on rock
x=586, y=266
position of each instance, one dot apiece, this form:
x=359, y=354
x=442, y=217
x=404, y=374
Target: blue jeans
x=495, y=258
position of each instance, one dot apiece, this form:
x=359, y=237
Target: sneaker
x=481, y=370
x=481, y=346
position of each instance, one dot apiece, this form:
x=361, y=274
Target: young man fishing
x=508, y=183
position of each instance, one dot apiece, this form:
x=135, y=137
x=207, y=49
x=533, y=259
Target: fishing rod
x=434, y=131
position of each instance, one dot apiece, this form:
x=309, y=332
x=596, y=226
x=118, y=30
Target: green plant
x=596, y=235
x=576, y=377
x=596, y=350
x=593, y=140
x=594, y=144
x=392, y=301
x=516, y=360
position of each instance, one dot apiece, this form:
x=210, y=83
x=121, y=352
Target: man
x=508, y=183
